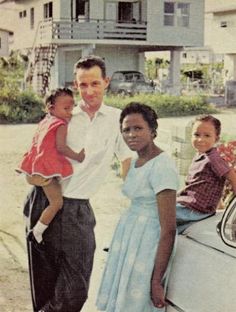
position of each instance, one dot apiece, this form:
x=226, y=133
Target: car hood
x=203, y=270
x=204, y=232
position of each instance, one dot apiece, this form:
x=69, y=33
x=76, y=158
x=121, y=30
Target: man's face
x=91, y=85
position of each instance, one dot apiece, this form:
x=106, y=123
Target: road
x=108, y=205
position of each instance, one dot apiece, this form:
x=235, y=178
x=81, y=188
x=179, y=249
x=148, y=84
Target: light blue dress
x=126, y=281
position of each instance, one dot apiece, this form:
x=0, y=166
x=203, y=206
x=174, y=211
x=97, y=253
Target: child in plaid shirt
x=206, y=177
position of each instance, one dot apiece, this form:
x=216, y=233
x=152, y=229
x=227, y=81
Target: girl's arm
x=166, y=202
x=63, y=148
x=231, y=176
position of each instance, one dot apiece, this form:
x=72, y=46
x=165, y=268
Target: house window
x=123, y=11
x=32, y=18
x=82, y=9
x=169, y=13
x=47, y=10
x=176, y=14
x=183, y=14
x=22, y=14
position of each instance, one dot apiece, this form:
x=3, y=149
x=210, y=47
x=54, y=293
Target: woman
x=136, y=272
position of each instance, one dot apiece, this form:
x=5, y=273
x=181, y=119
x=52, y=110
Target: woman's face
x=136, y=132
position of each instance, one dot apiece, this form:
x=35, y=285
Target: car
x=128, y=82
x=202, y=277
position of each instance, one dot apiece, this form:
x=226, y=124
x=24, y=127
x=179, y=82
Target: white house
x=221, y=34
x=59, y=32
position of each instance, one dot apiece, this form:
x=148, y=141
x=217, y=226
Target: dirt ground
x=108, y=205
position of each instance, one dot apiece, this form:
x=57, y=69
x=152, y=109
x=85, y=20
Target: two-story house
x=59, y=32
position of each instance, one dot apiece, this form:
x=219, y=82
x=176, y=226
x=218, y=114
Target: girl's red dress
x=43, y=157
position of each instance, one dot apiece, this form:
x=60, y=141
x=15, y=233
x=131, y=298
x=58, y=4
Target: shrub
x=166, y=105
x=20, y=107
x=26, y=106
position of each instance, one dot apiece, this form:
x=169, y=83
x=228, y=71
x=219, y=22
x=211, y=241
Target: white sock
x=38, y=230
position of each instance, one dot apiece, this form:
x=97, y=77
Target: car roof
x=127, y=72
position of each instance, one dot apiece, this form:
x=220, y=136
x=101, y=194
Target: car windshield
x=133, y=77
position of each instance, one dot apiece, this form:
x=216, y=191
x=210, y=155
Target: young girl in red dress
x=46, y=161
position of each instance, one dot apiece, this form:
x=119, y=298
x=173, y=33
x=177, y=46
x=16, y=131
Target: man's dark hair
x=149, y=115
x=90, y=61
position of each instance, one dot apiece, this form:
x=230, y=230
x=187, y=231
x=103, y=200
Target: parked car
x=203, y=274
x=129, y=83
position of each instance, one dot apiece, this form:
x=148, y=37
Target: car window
x=118, y=76
x=128, y=77
x=139, y=77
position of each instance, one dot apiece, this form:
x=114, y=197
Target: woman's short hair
x=149, y=115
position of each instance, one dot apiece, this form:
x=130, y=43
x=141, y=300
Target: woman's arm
x=125, y=164
x=166, y=202
x=63, y=148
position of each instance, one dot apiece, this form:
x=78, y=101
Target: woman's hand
x=157, y=295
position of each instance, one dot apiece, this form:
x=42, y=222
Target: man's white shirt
x=101, y=139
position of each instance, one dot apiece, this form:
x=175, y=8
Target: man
x=61, y=266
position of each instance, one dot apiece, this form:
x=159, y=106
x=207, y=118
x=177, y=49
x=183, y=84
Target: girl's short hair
x=149, y=115
x=50, y=99
x=209, y=118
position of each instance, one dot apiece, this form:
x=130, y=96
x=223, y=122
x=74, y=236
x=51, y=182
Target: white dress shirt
x=101, y=139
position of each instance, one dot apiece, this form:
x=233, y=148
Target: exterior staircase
x=38, y=72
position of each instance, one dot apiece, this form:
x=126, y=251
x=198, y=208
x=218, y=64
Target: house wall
x=222, y=39
x=116, y=58
x=119, y=58
x=64, y=9
x=174, y=35
x=152, y=12
x=23, y=34
x=4, y=47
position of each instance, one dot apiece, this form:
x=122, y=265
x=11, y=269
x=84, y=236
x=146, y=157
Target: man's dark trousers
x=61, y=266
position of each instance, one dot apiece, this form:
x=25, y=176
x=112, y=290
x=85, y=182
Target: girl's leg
x=54, y=196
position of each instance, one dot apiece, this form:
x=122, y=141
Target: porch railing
x=92, y=29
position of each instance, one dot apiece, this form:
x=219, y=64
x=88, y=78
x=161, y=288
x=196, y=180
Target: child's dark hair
x=50, y=99
x=90, y=61
x=149, y=115
x=209, y=118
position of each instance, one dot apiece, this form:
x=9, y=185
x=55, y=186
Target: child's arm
x=63, y=148
x=231, y=176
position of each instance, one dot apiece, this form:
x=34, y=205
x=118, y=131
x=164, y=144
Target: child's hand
x=81, y=156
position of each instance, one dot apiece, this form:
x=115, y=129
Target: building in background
x=57, y=33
